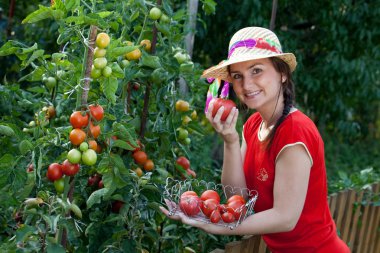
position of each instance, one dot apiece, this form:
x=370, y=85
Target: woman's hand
x=180, y=216
x=226, y=129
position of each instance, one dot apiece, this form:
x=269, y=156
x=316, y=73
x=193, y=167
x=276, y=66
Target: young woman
x=281, y=154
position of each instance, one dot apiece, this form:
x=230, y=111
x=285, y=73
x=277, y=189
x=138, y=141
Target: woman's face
x=257, y=83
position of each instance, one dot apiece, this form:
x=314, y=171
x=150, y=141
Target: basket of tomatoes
x=209, y=202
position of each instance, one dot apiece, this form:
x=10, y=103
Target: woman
x=281, y=154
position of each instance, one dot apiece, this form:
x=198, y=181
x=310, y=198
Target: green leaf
x=134, y=16
x=209, y=6
x=35, y=75
x=38, y=15
x=72, y=4
x=25, y=146
x=122, y=144
x=23, y=232
x=104, y=14
x=151, y=61
x=36, y=89
x=7, y=131
x=36, y=54
x=115, y=52
x=6, y=161
x=116, y=70
x=55, y=248
x=109, y=87
x=96, y=196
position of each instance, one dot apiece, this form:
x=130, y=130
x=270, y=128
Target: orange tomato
x=140, y=157
x=133, y=55
x=77, y=136
x=92, y=144
x=95, y=130
x=149, y=165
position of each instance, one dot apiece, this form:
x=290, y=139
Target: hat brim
x=221, y=70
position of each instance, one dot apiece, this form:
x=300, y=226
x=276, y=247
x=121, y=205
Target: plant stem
x=148, y=86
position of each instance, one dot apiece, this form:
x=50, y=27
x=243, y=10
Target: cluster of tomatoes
x=83, y=138
x=100, y=67
x=183, y=107
x=209, y=205
x=142, y=159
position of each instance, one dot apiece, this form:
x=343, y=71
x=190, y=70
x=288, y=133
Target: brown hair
x=288, y=93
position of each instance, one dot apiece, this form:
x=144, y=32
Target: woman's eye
x=256, y=71
x=236, y=76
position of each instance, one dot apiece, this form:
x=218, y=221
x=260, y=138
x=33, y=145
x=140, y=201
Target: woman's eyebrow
x=250, y=67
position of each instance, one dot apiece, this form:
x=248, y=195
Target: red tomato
x=215, y=216
x=95, y=130
x=208, y=206
x=236, y=198
x=191, y=173
x=94, y=179
x=228, y=217
x=210, y=194
x=226, y=103
x=54, y=172
x=100, y=184
x=97, y=112
x=239, y=209
x=189, y=193
x=70, y=169
x=78, y=120
x=183, y=162
x=190, y=205
x=117, y=205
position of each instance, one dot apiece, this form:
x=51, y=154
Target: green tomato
x=187, y=141
x=155, y=13
x=186, y=67
x=74, y=156
x=59, y=185
x=125, y=63
x=83, y=146
x=95, y=73
x=107, y=71
x=180, y=57
x=61, y=74
x=50, y=82
x=164, y=19
x=182, y=134
x=100, y=63
x=99, y=52
x=89, y=157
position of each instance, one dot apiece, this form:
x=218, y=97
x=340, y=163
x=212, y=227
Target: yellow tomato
x=134, y=55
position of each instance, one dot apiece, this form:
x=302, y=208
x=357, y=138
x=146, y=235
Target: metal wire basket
x=175, y=188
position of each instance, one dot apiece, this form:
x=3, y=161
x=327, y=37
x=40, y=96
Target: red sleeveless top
x=315, y=227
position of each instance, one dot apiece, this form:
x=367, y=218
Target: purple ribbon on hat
x=250, y=43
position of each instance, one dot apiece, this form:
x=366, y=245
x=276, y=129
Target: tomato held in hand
x=236, y=198
x=228, y=217
x=79, y=119
x=70, y=169
x=210, y=194
x=54, y=172
x=190, y=205
x=208, y=206
x=226, y=103
x=239, y=209
x=183, y=162
x=96, y=112
x=215, y=216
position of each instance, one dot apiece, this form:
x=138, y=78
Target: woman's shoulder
x=253, y=120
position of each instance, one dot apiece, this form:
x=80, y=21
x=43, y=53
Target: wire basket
x=175, y=188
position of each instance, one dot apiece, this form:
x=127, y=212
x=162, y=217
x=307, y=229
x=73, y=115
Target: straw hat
x=247, y=44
